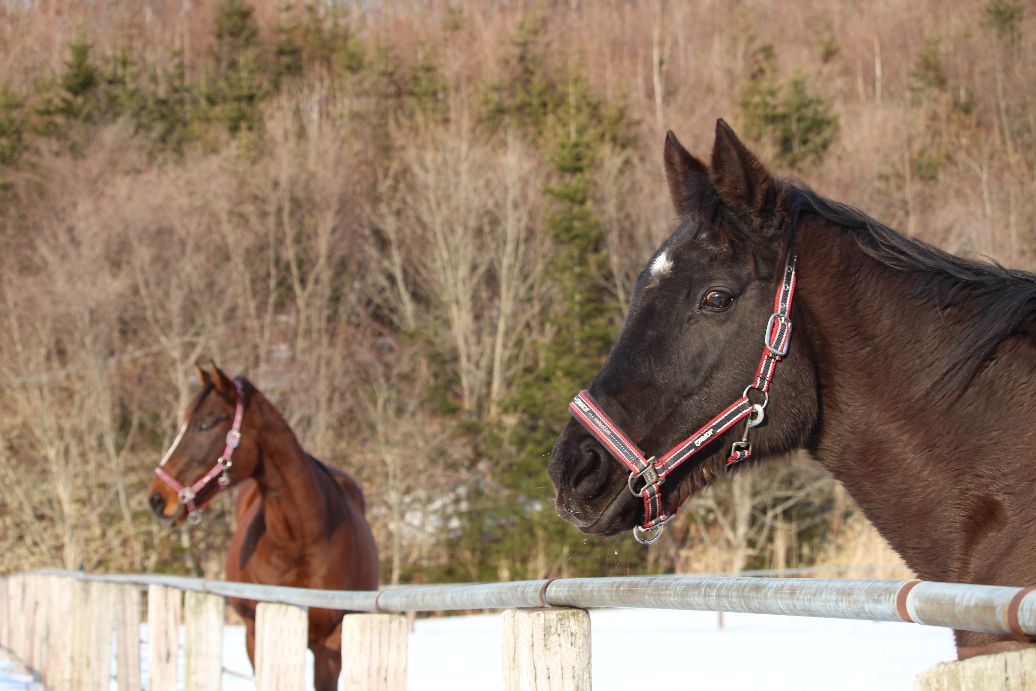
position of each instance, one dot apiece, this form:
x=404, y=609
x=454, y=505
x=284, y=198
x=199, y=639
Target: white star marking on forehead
x=661, y=265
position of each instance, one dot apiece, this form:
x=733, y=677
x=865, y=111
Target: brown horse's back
x=348, y=485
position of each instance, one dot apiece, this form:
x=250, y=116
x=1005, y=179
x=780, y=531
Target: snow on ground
x=674, y=649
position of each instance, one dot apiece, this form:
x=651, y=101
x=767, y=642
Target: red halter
x=186, y=495
x=653, y=472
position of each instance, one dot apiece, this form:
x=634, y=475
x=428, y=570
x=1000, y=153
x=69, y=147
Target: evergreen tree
x=799, y=122
x=237, y=82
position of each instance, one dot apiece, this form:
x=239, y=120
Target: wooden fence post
x=92, y=636
x=281, y=632
x=546, y=649
x=60, y=627
x=1014, y=671
x=16, y=607
x=163, y=624
x=374, y=651
x=36, y=622
x=40, y=609
x=203, y=641
x=127, y=636
x=5, y=616
x=28, y=616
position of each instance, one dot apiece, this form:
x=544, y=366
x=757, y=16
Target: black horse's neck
x=946, y=475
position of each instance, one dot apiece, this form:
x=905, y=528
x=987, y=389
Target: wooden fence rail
x=65, y=625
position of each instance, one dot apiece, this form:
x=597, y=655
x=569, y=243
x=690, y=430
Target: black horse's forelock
x=998, y=300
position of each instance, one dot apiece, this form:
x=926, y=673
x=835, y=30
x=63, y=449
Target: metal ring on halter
x=647, y=536
x=755, y=418
x=766, y=396
x=650, y=476
x=186, y=495
x=194, y=517
x=234, y=438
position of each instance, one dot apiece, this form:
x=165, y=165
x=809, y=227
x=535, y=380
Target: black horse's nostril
x=592, y=473
x=157, y=502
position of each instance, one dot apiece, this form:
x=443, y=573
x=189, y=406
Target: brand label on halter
x=704, y=437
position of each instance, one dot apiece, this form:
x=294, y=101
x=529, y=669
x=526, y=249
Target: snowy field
x=667, y=649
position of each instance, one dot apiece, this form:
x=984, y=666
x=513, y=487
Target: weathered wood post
x=93, y=620
x=127, y=636
x=280, y=646
x=28, y=620
x=16, y=608
x=1015, y=671
x=5, y=616
x=40, y=624
x=60, y=627
x=203, y=641
x=163, y=623
x=546, y=649
x=374, y=651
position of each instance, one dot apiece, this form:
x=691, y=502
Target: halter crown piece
x=648, y=474
x=187, y=495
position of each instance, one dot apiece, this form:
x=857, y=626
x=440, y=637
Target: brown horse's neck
x=941, y=475
x=293, y=488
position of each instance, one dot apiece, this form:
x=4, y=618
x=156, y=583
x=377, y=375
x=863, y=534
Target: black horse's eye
x=717, y=300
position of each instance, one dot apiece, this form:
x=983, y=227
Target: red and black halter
x=652, y=472
x=187, y=495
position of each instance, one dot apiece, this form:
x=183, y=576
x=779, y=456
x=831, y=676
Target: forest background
x=415, y=226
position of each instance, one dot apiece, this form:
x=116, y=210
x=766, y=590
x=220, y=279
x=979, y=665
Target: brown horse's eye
x=717, y=300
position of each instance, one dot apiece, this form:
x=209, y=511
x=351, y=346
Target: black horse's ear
x=742, y=181
x=684, y=173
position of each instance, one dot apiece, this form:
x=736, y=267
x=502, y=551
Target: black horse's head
x=200, y=443
x=692, y=340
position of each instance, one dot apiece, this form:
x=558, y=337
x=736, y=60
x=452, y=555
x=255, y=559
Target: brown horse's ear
x=684, y=173
x=203, y=376
x=221, y=383
x=742, y=181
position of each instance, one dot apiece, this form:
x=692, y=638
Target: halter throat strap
x=648, y=474
x=187, y=494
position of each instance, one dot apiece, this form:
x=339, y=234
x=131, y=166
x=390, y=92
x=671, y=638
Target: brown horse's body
x=298, y=522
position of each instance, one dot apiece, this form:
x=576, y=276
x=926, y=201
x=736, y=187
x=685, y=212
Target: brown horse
x=910, y=376
x=299, y=522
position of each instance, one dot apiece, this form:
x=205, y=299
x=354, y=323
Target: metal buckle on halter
x=233, y=438
x=780, y=319
x=186, y=495
x=647, y=536
x=649, y=475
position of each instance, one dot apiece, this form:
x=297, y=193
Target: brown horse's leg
x=327, y=661
x=327, y=666
x=250, y=641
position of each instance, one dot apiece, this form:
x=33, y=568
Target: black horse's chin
x=618, y=514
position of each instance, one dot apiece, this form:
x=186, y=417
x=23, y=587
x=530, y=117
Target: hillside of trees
x=415, y=224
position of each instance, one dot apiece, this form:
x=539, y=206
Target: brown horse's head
x=200, y=443
x=692, y=341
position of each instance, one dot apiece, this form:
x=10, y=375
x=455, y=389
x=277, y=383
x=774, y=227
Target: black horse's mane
x=1000, y=302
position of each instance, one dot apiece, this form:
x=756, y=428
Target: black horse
x=910, y=374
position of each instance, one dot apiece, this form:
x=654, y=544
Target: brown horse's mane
x=999, y=302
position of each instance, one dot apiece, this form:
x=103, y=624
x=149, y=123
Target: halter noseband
x=187, y=495
x=652, y=472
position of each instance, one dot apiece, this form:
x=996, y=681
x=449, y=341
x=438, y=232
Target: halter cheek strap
x=187, y=495
x=648, y=474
